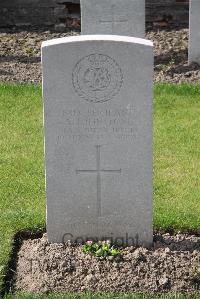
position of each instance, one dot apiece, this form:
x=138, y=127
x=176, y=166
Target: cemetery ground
x=20, y=55
x=176, y=202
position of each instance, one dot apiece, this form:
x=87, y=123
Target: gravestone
x=98, y=138
x=194, y=40
x=120, y=17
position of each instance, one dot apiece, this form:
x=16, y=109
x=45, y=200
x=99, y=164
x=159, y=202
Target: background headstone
x=98, y=138
x=194, y=40
x=121, y=17
x=66, y=13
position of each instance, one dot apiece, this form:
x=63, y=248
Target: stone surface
x=194, y=43
x=98, y=138
x=122, y=17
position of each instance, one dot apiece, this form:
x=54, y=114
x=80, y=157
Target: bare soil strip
x=20, y=55
x=172, y=265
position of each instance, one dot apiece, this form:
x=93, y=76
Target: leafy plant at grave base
x=101, y=249
x=29, y=51
x=166, y=67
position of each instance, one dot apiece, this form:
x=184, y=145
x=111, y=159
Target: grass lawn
x=176, y=162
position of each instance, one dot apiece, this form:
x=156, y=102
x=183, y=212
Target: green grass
x=22, y=195
x=177, y=157
x=176, y=161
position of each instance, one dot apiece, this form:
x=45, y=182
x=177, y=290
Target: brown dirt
x=171, y=57
x=172, y=265
x=20, y=56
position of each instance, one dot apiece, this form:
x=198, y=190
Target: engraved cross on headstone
x=114, y=19
x=98, y=172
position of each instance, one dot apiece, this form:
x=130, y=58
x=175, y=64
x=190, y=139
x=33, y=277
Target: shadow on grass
x=18, y=238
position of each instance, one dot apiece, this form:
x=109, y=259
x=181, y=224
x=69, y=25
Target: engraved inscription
x=114, y=19
x=97, y=78
x=98, y=172
x=97, y=124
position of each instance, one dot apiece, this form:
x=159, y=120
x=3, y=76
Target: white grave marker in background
x=121, y=17
x=194, y=40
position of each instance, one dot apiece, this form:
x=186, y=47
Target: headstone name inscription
x=98, y=138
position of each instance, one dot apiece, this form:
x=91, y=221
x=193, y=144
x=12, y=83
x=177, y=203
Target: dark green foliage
x=101, y=249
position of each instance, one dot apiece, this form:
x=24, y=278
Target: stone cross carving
x=98, y=172
x=114, y=19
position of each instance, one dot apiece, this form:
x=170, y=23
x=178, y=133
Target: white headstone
x=120, y=17
x=194, y=40
x=98, y=138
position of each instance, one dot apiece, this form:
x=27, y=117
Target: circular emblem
x=97, y=78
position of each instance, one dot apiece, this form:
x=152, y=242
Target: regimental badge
x=97, y=78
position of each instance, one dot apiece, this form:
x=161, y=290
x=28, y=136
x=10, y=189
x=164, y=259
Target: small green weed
x=29, y=51
x=101, y=249
x=196, y=271
x=166, y=67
